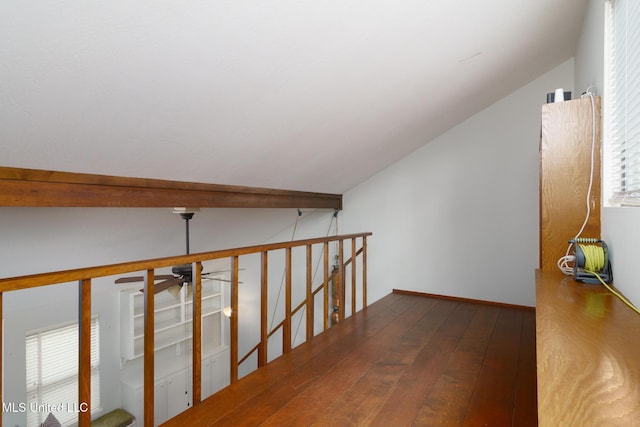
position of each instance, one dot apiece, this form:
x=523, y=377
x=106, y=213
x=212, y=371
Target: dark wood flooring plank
x=527, y=348
x=406, y=400
x=447, y=403
x=526, y=400
x=493, y=399
x=405, y=360
x=317, y=399
x=365, y=397
x=367, y=339
x=345, y=336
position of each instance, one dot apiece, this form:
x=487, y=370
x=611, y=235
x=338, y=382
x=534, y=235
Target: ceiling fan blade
x=130, y=279
x=164, y=285
x=133, y=279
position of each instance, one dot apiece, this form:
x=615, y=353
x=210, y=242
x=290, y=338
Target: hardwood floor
x=405, y=361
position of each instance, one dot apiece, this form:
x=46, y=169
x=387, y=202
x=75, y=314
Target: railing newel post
x=84, y=353
x=264, y=315
x=286, y=333
x=364, y=272
x=353, y=276
x=149, y=351
x=196, y=339
x=309, y=304
x=341, y=282
x=325, y=251
x=233, y=329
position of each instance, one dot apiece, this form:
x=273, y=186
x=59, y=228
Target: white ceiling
x=295, y=94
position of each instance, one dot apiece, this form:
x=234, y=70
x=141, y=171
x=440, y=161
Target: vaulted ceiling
x=296, y=94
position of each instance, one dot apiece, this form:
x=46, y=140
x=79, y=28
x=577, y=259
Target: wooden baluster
x=341, y=282
x=364, y=272
x=353, y=276
x=310, y=308
x=325, y=251
x=196, y=353
x=264, y=313
x=286, y=333
x=84, y=353
x=233, y=329
x=148, y=355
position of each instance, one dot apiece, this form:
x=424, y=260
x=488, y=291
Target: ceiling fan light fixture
x=185, y=210
x=174, y=290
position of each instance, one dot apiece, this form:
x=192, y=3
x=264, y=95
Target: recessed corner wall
x=459, y=216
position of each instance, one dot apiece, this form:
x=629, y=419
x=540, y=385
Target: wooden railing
x=84, y=278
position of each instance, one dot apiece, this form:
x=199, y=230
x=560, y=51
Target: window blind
x=622, y=111
x=52, y=373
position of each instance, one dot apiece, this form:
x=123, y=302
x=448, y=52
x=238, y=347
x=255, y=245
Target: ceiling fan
x=182, y=273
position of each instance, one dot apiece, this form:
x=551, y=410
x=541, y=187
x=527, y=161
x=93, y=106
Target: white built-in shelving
x=173, y=321
x=173, y=313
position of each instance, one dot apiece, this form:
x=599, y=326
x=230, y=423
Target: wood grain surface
x=565, y=164
x=588, y=355
x=406, y=360
x=41, y=188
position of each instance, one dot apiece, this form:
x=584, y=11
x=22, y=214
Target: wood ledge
x=42, y=188
x=587, y=355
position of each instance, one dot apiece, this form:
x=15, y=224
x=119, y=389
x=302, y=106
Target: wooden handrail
x=84, y=277
x=74, y=275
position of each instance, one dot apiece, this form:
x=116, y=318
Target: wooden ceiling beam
x=42, y=188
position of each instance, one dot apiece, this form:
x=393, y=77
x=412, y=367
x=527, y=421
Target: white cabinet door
x=207, y=376
x=160, y=403
x=215, y=373
x=220, y=371
x=178, y=393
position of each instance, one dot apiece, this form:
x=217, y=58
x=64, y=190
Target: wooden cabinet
x=565, y=165
x=173, y=390
x=173, y=318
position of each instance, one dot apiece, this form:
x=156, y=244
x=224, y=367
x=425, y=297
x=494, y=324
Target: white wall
x=621, y=231
x=459, y=216
x=620, y=226
x=589, y=67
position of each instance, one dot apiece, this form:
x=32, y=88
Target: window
x=622, y=102
x=52, y=373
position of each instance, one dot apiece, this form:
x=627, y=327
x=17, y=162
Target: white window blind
x=622, y=97
x=52, y=373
